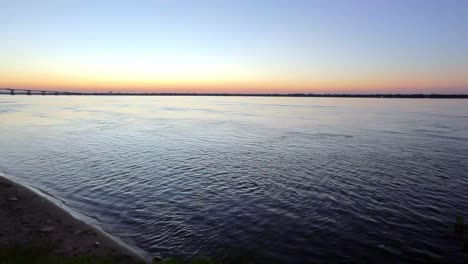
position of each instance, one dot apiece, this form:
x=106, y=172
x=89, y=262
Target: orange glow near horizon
x=280, y=84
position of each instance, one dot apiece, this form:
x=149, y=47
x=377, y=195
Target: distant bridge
x=14, y=91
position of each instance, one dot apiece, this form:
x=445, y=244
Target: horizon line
x=12, y=91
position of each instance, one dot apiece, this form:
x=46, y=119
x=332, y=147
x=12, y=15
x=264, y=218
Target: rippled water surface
x=296, y=180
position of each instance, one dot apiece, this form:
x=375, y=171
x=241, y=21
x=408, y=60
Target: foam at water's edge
x=89, y=220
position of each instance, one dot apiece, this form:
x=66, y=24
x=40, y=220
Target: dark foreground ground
x=29, y=220
x=33, y=230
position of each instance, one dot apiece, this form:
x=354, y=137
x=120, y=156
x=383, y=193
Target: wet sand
x=27, y=218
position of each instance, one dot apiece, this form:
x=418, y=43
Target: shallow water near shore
x=296, y=179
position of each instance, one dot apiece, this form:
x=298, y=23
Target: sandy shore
x=29, y=219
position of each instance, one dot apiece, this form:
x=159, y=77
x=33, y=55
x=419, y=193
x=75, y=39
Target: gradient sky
x=405, y=46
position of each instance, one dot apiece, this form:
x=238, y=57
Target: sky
x=252, y=46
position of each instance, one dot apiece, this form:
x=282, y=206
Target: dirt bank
x=27, y=218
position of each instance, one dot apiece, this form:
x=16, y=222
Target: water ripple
x=302, y=181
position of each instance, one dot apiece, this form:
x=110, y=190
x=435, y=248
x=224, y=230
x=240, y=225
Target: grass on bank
x=21, y=254
x=45, y=255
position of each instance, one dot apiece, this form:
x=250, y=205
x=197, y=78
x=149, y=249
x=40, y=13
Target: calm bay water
x=296, y=180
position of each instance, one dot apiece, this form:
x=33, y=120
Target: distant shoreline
x=7, y=91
